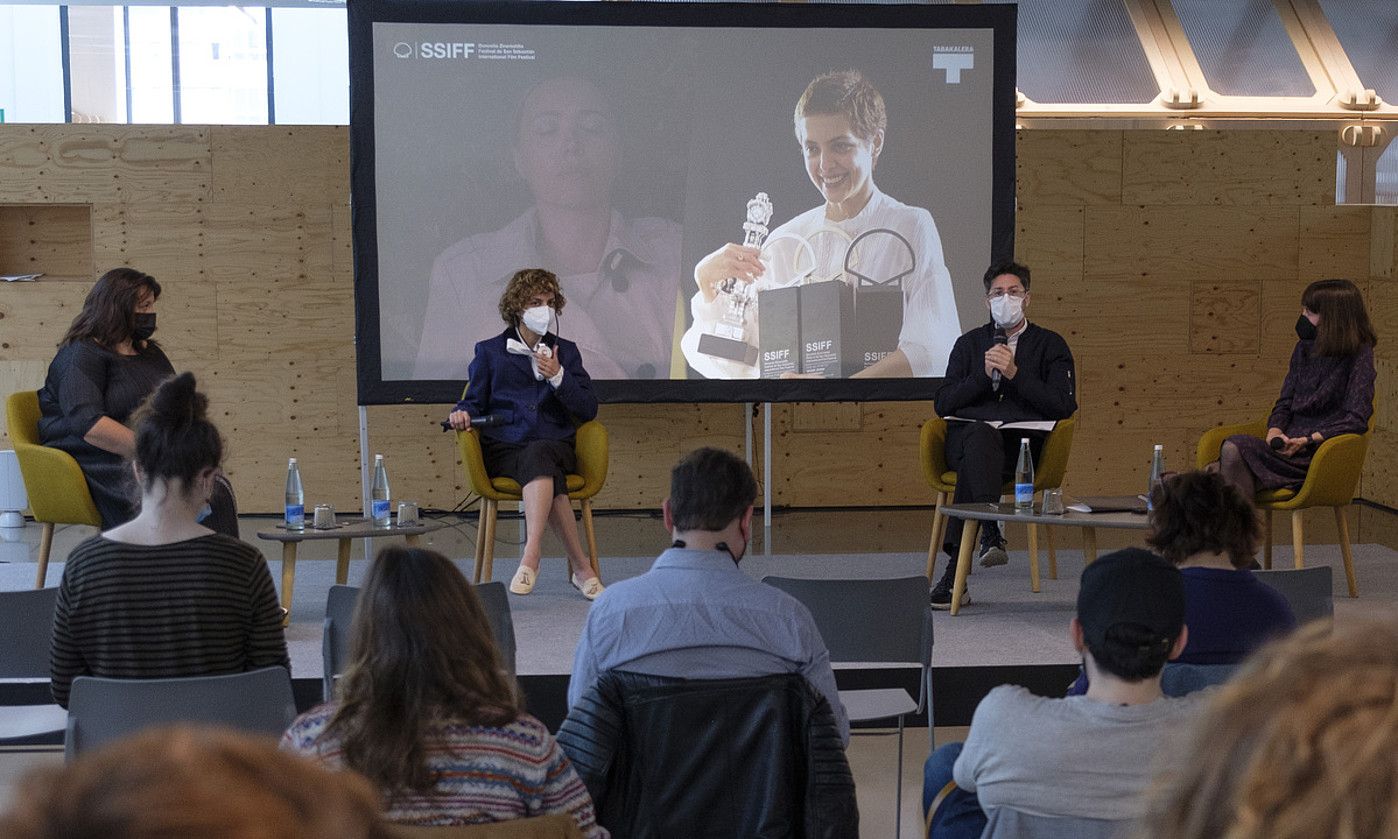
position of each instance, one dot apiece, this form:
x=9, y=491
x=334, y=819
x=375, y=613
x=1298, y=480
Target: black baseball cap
x=1131, y=586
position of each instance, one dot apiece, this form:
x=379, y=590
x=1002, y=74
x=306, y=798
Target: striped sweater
x=486, y=774
x=198, y=607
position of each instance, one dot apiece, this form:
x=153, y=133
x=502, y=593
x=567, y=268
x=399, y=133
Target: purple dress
x=1332, y=395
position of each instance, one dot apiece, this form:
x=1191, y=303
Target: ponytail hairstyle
x=174, y=438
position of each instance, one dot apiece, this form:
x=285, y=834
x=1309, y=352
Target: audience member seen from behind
x=162, y=595
x=1329, y=390
x=695, y=614
x=1299, y=744
x=427, y=711
x=192, y=782
x=1081, y=757
x=106, y=365
x=1211, y=532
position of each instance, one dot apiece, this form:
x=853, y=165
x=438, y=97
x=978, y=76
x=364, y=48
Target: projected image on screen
x=721, y=204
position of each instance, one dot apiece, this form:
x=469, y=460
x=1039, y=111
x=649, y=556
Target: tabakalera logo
x=954, y=60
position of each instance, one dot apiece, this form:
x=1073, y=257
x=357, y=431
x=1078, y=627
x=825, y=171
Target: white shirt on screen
x=930, y=321
x=621, y=316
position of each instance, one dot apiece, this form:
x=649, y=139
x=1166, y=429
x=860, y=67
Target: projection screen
x=765, y=202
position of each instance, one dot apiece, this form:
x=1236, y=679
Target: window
x=1243, y=48
x=1369, y=34
x=149, y=64
x=310, y=66
x=31, y=65
x=223, y=65
x=1081, y=51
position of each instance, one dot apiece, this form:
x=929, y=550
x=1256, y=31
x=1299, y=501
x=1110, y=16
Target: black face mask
x=1305, y=330
x=145, y=326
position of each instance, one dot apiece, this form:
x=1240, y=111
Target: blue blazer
x=500, y=381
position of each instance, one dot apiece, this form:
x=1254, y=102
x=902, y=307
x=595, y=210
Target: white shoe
x=523, y=581
x=590, y=588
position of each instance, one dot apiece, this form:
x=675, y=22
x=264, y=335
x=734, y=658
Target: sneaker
x=940, y=596
x=992, y=551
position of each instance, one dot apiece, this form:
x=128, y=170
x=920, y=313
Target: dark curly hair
x=1195, y=512
x=521, y=289
x=108, y=315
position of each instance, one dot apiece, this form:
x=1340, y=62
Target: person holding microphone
x=532, y=385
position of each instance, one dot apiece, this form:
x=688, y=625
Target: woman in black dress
x=1329, y=390
x=107, y=365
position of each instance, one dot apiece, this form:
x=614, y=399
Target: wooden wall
x=1171, y=260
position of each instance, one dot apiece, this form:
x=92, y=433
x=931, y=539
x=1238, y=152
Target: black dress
x=86, y=382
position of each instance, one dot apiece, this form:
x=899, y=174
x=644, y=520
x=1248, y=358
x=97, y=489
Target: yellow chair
x=1330, y=481
x=53, y=480
x=1048, y=474
x=591, y=445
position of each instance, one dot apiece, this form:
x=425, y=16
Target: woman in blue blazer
x=534, y=384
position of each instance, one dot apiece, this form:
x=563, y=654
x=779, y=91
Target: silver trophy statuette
x=729, y=339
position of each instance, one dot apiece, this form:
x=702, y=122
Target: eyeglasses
x=1014, y=294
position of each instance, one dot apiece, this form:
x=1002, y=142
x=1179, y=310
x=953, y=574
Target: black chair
x=26, y=633
x=666, y=757
x=339, y=617
x=1309, y=591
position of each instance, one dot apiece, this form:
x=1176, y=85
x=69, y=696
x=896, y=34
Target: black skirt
x=526, y=461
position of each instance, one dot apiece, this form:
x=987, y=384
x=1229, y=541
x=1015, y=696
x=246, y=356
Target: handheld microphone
x=1001, y=339
x=483, y=421
x=1277, y=444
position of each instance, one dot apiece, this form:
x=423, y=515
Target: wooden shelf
x=52, y=239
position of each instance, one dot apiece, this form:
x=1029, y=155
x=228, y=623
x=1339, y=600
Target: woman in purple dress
x=1329, y=390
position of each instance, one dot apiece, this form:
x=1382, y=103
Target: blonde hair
x=1301, y=743
x=186, y=781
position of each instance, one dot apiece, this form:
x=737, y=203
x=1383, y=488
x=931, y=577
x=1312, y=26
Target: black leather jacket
x=725, y=758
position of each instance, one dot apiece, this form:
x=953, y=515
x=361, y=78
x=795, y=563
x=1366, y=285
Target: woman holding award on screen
x=858, y=234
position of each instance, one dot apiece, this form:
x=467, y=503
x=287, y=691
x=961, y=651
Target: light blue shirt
x=695, y=615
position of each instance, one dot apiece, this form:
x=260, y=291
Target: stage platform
x=1006, y=634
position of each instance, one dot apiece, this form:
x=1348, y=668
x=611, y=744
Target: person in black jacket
x=1008, y=370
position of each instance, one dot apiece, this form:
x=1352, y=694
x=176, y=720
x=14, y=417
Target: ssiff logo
x=953, y=60
x=434, y=49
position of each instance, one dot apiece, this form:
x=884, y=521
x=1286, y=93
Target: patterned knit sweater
x=198, y=607
x=486, y=774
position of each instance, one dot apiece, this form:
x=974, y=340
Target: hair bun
x=178, y=403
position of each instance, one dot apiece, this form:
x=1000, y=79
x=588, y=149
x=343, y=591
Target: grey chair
x=102, y=710
x=884, y=621
x=26, y=633
x=339, y=616
x=1183, y=679
x=1309, y=591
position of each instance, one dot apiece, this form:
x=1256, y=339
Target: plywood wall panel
x=1191, y=242
x=34, y=316
x=92, y=163
x=1224, y=317
x=1235, y=168
x=51, y=239
x=1335, y=242
x=1068, y=167
x=281, y=165
x=165, y=240
x=260, y=243
x=1383, y=242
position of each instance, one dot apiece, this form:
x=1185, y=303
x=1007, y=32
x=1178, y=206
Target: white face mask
x=537, y=319
x=1006, y=310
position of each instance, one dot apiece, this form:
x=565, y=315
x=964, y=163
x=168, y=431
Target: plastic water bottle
x=379, y=508
x=1024, y=479
x=295, y=498
x=1157, y=468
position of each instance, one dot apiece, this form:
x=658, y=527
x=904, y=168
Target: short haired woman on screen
x=107, y=363
x=841, y=122
x=534, y=383
x=428, y=713
x=1329, y=390
x=163, y=596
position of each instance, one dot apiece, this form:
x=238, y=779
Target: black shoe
x=940, y=596
x=992, y=549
